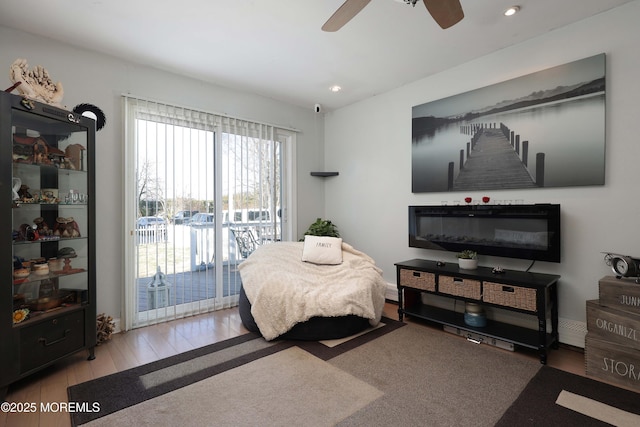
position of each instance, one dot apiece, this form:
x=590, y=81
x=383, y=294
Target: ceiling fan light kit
x=445, y=12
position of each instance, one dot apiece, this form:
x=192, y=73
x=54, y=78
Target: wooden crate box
x=612, y=362
x=621, y=294
x=609, y=324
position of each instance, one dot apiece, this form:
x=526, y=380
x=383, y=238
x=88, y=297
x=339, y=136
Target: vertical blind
x=182, y=160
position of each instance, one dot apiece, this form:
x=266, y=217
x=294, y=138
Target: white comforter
x=284, y=290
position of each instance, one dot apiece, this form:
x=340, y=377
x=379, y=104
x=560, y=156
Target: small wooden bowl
x=21, y=273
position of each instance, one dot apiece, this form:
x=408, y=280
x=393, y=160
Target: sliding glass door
x=203, y=191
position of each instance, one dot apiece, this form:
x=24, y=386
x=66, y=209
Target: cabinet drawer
x=460, y=287
x=50, y=340
x=510, y=296
x=418, y=279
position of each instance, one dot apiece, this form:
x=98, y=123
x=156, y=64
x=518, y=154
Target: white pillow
x=322, y=250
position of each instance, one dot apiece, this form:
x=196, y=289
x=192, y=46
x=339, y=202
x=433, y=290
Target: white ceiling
x=275, y=48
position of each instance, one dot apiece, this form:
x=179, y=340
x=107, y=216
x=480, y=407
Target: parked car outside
x=202, y=219
x=182, y=217
x=248, y=216
x=147, y=221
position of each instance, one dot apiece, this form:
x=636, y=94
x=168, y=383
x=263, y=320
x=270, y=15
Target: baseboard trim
x=391, y=293
x=572, y=332
x=116, y=324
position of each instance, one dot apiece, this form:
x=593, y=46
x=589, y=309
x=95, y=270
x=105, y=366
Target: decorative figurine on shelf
x=22, y=149
x=66, y=228
x=40, y=152
x=36, y=84
x=75, y=156
x=42, y=227
x=16, y=186
x=24, y=194
x=20, y=315
x=26, y=233
x=49, y=196
x=55, y=265
x=56, y=157
x=67, y=252
x=27, y=149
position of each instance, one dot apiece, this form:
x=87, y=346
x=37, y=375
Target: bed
x=283, y=296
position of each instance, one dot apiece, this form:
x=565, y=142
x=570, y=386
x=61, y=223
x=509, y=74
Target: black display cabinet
x=47, y=236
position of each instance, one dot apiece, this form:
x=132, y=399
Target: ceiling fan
x=445, y=12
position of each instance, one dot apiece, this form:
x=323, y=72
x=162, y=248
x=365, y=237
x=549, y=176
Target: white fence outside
x=199, y=240
x=156, y=233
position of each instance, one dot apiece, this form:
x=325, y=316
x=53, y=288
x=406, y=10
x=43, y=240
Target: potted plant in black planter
x=468, y=259
x=322, y=227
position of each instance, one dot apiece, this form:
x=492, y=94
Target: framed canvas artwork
x=545, y=129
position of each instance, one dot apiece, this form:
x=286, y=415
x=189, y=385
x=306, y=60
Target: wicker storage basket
x=510, y=296
x=466, y=288
x=418, y=280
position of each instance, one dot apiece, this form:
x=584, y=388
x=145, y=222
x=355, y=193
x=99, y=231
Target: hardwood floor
x=144, y=345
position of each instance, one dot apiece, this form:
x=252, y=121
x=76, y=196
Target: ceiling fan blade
x=348, y=10
x=445, y=12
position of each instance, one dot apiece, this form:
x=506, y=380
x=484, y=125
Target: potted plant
x=468, y=259
x=322, y=227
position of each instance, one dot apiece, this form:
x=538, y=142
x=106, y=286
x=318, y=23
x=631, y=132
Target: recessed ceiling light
x=335, y=88
x=511, y=11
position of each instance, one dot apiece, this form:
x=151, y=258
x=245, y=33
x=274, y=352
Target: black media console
x=533, y=294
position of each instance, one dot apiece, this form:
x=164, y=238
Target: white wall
x=369, y=143
x=101, y=80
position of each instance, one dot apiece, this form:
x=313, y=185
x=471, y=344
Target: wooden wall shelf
x=325, y=174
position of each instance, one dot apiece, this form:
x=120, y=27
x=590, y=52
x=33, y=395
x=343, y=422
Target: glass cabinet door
x=50, y=216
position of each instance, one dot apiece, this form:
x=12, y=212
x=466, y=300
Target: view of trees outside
x=176, y=171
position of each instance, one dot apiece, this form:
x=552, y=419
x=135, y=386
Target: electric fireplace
x=513, y=231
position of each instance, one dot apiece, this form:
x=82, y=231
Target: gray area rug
x=411, y=375
x=432, y=378
x=288, y=388
x=554, y=397
x=125, y=389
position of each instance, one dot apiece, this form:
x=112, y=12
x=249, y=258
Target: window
x=187, y=171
